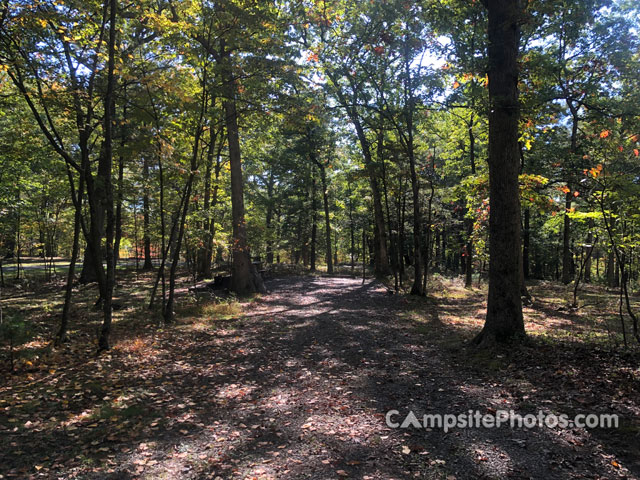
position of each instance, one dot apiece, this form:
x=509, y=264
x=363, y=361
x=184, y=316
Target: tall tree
x=504, y=321
x=105, y=167
x=72, y=67
x=331, y=44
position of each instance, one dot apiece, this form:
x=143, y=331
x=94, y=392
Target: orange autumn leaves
x=634, y=138
x=467, y=77
x=594, y=171
x=566, y=190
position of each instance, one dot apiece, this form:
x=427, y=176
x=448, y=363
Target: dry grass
x=549, y=318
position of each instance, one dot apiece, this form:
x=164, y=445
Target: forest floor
x=296, y=384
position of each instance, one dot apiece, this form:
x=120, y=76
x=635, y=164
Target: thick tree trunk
x=504, y=321
x=241, y=276
x=104, y=171
x=242, y=281
x=88, y=273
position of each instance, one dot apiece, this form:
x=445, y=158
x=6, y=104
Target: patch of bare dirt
x=298, y=387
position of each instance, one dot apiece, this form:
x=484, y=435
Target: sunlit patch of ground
x=295, y=384
x=549, y=317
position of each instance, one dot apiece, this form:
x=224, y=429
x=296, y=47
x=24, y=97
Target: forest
x=236, y=235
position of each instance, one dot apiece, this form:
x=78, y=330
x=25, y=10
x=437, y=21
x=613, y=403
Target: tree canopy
x=232, y=135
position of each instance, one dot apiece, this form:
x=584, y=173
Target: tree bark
x=88, y=273
x=242, y=282
x=504, y=321
x=104, y=172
